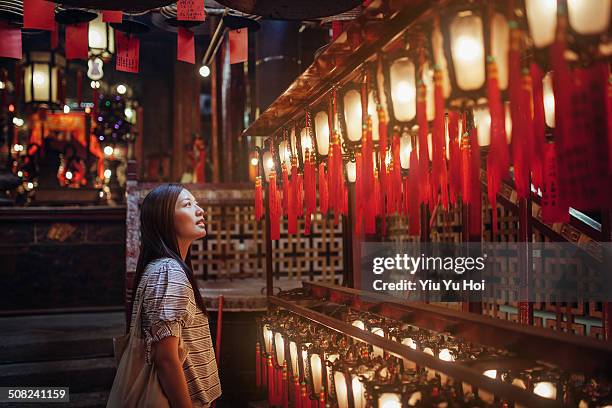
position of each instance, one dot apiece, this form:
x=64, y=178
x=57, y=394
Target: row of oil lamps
x=306, y=365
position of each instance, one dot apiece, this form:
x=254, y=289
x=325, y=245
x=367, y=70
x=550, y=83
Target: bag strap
x=137, y=321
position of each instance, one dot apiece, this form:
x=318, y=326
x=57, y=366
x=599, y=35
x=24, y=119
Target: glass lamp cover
x=351, y=171
x=374, y=115
x=500, y=32
x=549, y=100
x=341, y=389
x=267, y=335
x=359, y=397
x=268, y=164
x=293, y=355
x=467, y=50
x=542, y=20
x=589, y=17
x=482, y=121
x=402, y=78
x=279, y=347
x=305, y=141
x=284, y=153
x=322, y=132
x=101, y=37
x=352, y=115
x=389, y=400
x=317, y=372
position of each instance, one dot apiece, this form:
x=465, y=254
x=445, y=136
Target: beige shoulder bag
x=136, y=384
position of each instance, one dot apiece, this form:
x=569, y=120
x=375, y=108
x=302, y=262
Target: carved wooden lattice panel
x=234, y=247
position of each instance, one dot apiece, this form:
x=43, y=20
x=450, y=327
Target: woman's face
x=188, y=217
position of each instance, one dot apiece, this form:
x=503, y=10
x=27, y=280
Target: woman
x=173, y=309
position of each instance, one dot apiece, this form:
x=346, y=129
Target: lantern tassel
x=258, y=199
x=414, y=198
x=286, y=188
x=423, y=147
x=454, y=156
x=292, y=192
x=439, y=154
x=323, y=192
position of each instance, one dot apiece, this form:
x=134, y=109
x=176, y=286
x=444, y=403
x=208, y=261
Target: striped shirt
x=169, y=309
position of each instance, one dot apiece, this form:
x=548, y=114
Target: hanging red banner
x=190, y=10
x=55, y=37
x=128, y=51
x=553, y=209
x=38, y=15
x=111, y=16
x=239, y=45
x=77, y=41
x=185, y=49
x=10, y=46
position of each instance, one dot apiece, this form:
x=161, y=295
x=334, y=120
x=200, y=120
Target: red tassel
x=493, y=184
x=539, y=125
x=516, y=106
x=286, y=188
x=258, y=199
x=367, y=176
x=414, y=195
x=465, y=165
x=609, y=110
x=522, y=140
x=423, y=147
x=292, y=202
x=310, y=191
x=323, y=192
x=499, y=145
x=359, y=195
x=396, y=178
x=439, y=146
x=299, y=201
x=454, y=156
x=382, y=148
x=475, y=218
x=274, y=204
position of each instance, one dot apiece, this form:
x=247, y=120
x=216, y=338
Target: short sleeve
x=168, y=302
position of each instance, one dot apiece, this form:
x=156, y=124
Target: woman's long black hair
x=158, y=236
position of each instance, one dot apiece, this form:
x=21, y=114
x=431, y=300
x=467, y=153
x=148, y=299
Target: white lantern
x=542, y=20
x=402, y=82
x=41, y=77
x=373, y=115
x=467, y=50
x=589, y=17
x=500, y=31
x=321, y=128
x=101, y=38
x=352, y=115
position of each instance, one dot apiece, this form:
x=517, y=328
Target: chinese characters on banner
x=128, y=49
x=552, y=209
x=239, y=45
x=190, y=10
x=185, y=50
